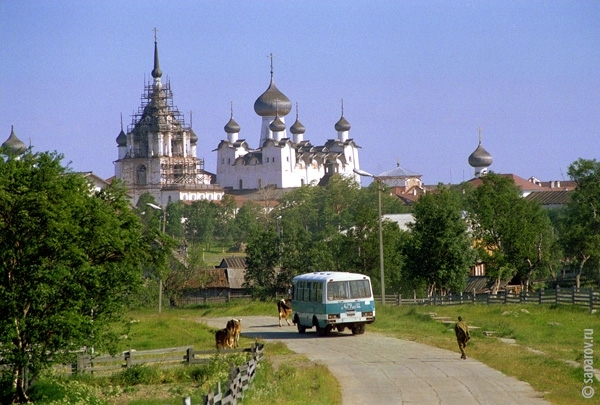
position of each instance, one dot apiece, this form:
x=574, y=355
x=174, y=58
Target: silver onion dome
x=232, y=127
x=480, y=157
x=272, y=102
x=14, y=143
x=277, y=125
x=342, y=125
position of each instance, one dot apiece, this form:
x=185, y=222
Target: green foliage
x=514, y=236
x=325, y=228
x=261, y=260
x=68, y=258
x=438, y=249
x=579, y=227
x=137, y=375
x=65, y=392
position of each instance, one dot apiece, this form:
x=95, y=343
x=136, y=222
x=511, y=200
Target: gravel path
x=375, y=369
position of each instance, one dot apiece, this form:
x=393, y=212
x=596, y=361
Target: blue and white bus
x=333, y=300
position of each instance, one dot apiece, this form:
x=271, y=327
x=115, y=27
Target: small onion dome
x=277, y=125
x=272, y=102
x=480, y=157
x=122, y=138
x=14, y=143
x=193, y=136
x=297, y=128
x=232, y=127
x=342, y=125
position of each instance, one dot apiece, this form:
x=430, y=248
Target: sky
x=417, y=78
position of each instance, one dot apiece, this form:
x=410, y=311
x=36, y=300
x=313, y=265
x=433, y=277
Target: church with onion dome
x=480, y=159
x=157, y=155
x=282, y=158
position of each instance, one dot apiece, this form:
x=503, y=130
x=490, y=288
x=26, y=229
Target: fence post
x=415, y=296
x=591, y=300
x=461, y=298
x=474, y=297
x=190, y=355
x=399, y=299
x=573, y=295
x=505, y=294
x=129, y=358
x=540, y=296
x=557, y=297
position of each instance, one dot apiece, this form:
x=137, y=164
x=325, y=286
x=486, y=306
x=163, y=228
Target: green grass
x=292, y=379
x=555, y=330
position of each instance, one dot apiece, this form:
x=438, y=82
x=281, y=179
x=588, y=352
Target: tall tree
x=439, y=250
x=580, y=228
x=262, y=259
x=69, y=256
x=514, y=236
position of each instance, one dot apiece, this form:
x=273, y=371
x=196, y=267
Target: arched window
x=141, y=176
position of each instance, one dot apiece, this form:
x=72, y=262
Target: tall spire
x=156, y=72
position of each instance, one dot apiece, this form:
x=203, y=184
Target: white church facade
x=157, y=155
x=281, y=160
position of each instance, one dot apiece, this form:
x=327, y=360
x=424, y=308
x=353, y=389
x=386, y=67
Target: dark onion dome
x=342, y=125
x=193, y=136
x=480, y=157
x=232, y=127
x=272, y=102
x=297, y=128
x=122, y=138
x=277, y=125
x=14, y=143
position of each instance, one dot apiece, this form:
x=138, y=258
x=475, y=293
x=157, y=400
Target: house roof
x=208, y=278
x=233, y=263
x=481, y=284
x=401, y=219
x=397, y=172
x=557, y=197
x=520, y=182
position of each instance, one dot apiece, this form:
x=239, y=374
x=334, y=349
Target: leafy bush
x=64, y=392
x=137, y=375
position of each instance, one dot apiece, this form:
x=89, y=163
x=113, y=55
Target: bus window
x=319, y=289
x=359, y=289
x=337, y=290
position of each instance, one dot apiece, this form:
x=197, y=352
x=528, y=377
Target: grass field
x=546, y=338
x=549, y=340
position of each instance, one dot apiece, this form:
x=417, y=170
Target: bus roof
x=330, y=276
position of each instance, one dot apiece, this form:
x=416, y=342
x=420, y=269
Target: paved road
x=375, y=369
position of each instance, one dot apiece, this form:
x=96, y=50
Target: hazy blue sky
x=417, y=77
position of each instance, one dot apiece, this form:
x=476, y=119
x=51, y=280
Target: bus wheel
x=341, y=328
x=361, y=329
x=301, y=329
x=320, y=331
x=355, y=330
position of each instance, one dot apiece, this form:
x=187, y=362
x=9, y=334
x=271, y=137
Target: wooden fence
x=170, y=357
x=238, y=381
x=208, y=299
x=575, y=296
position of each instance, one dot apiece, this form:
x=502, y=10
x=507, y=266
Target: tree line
x=73, y=259
x=454, y=228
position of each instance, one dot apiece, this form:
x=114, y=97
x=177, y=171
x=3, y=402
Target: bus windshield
x=343, y=290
